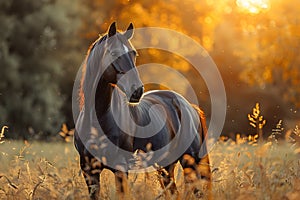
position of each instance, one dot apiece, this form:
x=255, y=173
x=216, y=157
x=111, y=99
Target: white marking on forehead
x=125, y=48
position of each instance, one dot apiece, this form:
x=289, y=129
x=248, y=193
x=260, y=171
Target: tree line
x=43, y=43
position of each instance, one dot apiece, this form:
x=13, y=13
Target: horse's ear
x=112, y=29
x=129, y=32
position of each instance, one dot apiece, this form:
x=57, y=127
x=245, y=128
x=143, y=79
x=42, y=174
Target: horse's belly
x=155, y=142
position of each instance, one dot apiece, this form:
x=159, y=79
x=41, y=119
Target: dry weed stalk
x=2, y=134
x=257, y=121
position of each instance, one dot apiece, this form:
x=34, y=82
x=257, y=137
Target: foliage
x=33, y=51
x=272, y=61
x=44, y=42
x=237, y=39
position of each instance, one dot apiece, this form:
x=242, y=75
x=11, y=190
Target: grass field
x=240, y=171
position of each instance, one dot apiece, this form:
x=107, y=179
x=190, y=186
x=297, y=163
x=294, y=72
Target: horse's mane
x=92, y=46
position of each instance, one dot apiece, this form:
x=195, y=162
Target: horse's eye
x=113, y=53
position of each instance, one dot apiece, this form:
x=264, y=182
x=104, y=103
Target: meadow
x=254, y=44
x=241, y=169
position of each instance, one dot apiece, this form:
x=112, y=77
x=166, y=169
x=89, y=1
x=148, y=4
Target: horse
x=117, y=118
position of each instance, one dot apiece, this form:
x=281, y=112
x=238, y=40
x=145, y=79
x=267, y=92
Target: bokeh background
x=254, y=43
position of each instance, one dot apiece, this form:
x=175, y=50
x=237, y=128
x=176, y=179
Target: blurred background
x=254, y=43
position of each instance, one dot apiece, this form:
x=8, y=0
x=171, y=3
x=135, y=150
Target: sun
x=253, y=6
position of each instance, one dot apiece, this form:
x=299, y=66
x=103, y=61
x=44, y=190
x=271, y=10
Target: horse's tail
x=204, y=164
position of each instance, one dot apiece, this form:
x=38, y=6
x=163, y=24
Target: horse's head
x=119, y=59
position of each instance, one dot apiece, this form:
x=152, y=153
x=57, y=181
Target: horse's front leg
x=91, y=168
x=120, y=178
x=93, y=183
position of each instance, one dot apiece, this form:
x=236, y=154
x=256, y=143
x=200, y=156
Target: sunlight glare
x=253, y=6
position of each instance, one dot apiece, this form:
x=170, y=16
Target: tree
x=251, y=47
x=33, y=36
x=272, y=59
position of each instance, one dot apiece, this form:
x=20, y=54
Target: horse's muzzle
x=136, y=95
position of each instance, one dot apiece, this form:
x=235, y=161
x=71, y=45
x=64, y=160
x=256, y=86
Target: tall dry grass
x=240, y=171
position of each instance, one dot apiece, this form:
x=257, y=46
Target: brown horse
x=117, y=118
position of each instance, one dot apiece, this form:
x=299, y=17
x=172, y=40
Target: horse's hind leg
x=168, y=178
x=203, y=169
x=205, y=173
x=91, y=172
x=198, y=174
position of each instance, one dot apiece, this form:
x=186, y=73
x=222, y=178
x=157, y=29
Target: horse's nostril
x=136, y=95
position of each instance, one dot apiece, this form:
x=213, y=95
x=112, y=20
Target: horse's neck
x=103, y=98
x=109, y=99
x=113, y=110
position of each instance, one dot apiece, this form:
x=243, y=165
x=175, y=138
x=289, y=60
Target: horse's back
x=171, y=101
x=161, y=95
